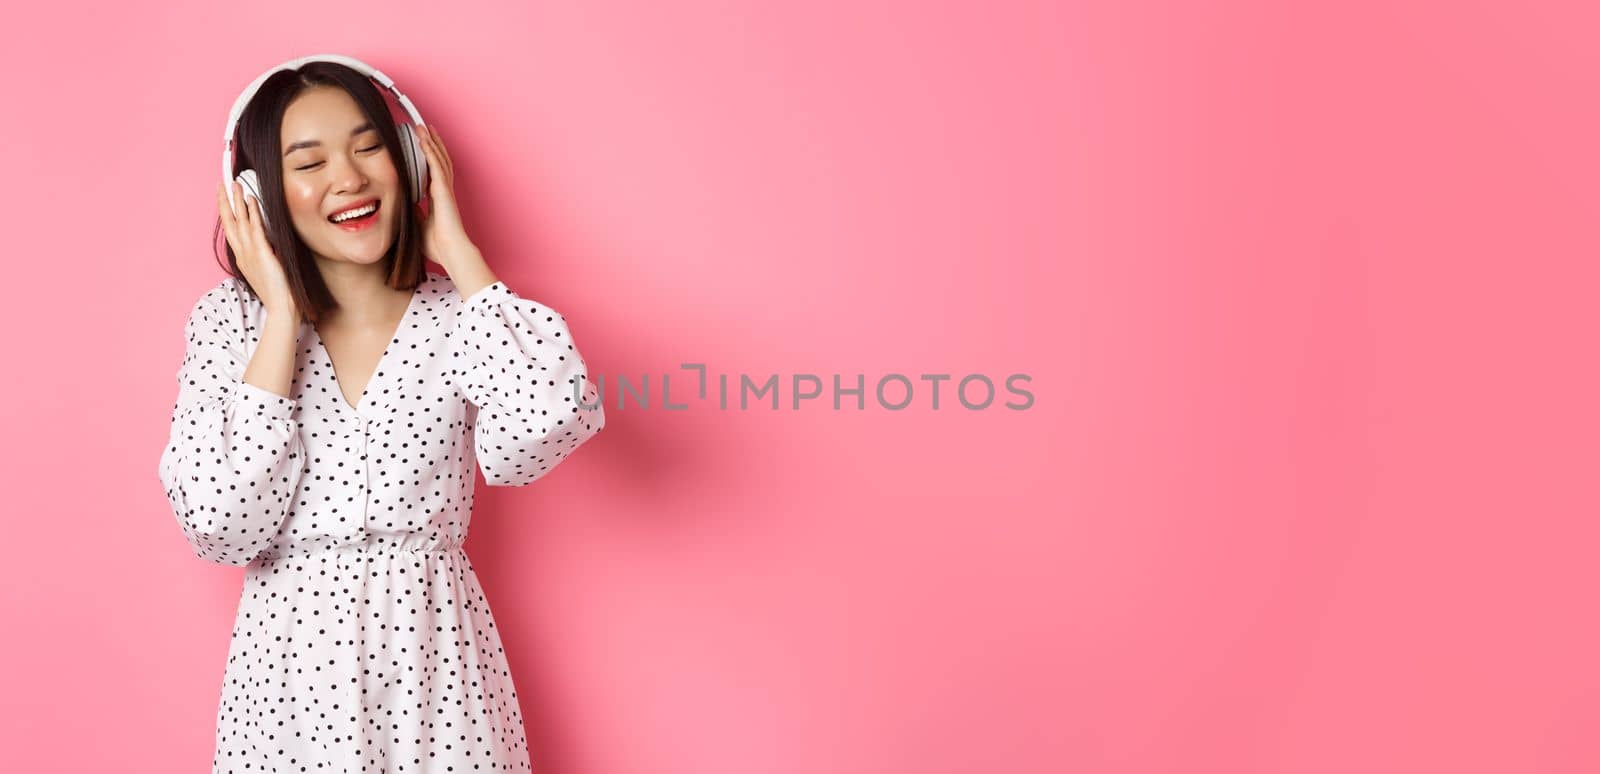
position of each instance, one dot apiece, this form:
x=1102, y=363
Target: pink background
x=1306, y=295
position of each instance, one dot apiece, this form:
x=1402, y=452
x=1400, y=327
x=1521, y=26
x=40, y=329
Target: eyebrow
x=365, y=127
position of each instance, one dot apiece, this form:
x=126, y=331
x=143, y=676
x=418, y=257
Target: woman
x=333, y=400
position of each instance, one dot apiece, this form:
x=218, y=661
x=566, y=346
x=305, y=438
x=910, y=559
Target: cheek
x=382, y=170
x=305, y=201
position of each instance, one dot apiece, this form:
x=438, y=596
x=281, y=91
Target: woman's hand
x=253, y=252
x=443, y=235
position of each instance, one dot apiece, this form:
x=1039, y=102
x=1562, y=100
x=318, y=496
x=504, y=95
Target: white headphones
x=416, y=164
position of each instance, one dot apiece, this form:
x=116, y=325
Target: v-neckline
x=377, y=370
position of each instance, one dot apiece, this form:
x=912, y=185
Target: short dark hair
x=257, y=140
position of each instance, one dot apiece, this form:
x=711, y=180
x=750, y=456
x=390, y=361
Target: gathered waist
x=355, y=550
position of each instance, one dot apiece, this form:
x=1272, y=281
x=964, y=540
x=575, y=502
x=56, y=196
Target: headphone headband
x=295, y=64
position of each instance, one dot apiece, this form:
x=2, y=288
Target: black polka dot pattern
x=363, y=641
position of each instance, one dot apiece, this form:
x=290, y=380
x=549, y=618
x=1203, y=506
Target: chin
x=365, y=259
x=356, y=249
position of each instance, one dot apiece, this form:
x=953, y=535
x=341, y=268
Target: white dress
x=363, y=642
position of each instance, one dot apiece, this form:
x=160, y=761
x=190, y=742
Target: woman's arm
x=514, y=359
x=233, y=459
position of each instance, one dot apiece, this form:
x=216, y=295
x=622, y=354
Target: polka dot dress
x=363, y=642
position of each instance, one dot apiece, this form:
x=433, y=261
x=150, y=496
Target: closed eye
x=377, y=147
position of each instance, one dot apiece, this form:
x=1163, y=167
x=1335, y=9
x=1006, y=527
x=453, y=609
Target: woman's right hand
x=253, y=252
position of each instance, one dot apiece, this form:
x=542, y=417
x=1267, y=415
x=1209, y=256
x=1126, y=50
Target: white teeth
x=344, y=216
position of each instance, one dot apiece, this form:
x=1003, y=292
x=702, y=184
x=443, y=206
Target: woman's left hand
x=443, y=235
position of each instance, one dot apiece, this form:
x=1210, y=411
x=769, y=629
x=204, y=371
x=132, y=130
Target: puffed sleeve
x=234, y=456
x=515, y=361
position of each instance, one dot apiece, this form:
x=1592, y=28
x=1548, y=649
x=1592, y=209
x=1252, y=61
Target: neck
x=363, y=293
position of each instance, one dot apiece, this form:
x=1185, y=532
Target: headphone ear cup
x=252, y=187
x=416, y=162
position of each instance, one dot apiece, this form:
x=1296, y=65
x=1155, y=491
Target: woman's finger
x=436, y=156
x=241, y=215
x=247, y=222
x=256, y=230
x=226, y=214
x=421, y=133
x=249, y=213
x=444, y=153
x=433, y=140
x=242, y=219
x=433, y=150
x=426, y=142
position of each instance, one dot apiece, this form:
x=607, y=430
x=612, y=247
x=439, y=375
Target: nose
x=347, y=175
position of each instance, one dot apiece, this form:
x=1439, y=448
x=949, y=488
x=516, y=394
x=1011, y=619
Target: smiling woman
x=324, y=142
x=362, y=640
x=327, y=182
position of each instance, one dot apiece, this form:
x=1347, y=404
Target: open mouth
x=357, y=218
